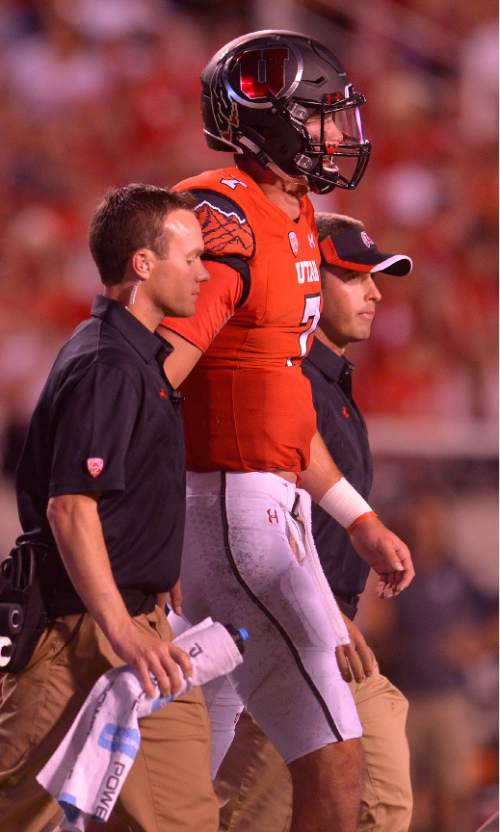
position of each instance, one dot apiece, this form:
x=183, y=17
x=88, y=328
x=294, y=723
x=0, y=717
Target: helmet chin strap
x=265, y=161
x=300, y=180
x=255, y=151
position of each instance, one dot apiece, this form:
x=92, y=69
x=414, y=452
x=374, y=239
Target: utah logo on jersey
x=307, y=271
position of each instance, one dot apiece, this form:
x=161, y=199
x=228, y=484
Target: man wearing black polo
x=349, y=259
x=349, y=262
x=94, y=490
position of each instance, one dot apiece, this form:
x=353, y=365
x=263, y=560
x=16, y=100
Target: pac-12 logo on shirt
x=95, y=466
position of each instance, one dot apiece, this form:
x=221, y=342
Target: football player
x=253, y=778
x=283, y=104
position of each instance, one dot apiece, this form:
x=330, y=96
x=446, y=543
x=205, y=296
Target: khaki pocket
x=23, y=695
x=34, y=700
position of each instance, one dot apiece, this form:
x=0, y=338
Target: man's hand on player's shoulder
x=387, y=555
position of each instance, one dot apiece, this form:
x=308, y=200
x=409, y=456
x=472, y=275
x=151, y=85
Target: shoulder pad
x=224, y=225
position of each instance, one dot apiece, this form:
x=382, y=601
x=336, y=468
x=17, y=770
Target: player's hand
x=174, y=598
x=387, y=555
x=149, y=655
x=355, y=660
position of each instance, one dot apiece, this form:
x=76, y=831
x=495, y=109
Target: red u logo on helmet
x=262, y=71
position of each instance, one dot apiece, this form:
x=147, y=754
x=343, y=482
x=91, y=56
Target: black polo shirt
x=108, y=421
x=344, y=431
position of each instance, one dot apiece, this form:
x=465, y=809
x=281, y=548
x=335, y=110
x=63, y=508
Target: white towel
x=88, y=770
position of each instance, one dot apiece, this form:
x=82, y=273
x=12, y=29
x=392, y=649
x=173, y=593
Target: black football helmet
x=259, y=90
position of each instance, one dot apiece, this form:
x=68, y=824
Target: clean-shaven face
x=349, y=305
x=176, y=279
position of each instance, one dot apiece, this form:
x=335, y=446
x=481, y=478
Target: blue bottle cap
x=243, y=633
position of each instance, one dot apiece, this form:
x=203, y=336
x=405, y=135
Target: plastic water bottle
x=239, y=636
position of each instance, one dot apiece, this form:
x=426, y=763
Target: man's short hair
x=130, y=218
x=330, y=224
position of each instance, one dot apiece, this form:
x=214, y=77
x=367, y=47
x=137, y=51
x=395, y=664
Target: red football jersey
x=248, y=407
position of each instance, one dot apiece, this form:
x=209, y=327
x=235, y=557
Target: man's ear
x=142, y=263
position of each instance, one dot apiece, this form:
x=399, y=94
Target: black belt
x=136, y=601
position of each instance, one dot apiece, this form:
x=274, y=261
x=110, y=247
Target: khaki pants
x=257, y=787
x=168, y=788
x=442, y=742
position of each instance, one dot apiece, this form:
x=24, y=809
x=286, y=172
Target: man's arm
x=383, y=550
x=75, y=524
x=181, y=360
x=191, y=336
x=322, y=472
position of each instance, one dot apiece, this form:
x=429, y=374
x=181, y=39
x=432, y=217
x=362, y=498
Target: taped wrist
x=359, y=520
x=345, y=504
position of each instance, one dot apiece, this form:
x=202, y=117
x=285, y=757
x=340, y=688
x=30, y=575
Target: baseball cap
x=355, y=251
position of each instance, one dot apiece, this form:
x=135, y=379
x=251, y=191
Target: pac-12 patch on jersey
x=95, y=466
x=294, y=243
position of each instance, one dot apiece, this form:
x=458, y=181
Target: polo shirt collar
x=149, y=345
x=336, y=368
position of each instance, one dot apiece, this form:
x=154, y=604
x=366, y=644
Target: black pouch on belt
x=22, y=611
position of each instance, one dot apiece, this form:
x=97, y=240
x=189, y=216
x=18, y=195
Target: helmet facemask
x=329, y=164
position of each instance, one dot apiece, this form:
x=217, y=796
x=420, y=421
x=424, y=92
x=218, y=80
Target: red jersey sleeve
x=229, y=245
x=216, y=304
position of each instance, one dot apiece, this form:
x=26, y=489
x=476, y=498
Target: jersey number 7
x=312, y=311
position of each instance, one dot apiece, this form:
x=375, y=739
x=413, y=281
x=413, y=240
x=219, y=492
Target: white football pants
x=249, y=560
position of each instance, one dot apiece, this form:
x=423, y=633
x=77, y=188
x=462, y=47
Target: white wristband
x=344, y=503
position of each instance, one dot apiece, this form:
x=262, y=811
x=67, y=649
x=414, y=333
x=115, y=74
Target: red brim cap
x=355, y=251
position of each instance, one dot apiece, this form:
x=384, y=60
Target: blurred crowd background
x=96, y=93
